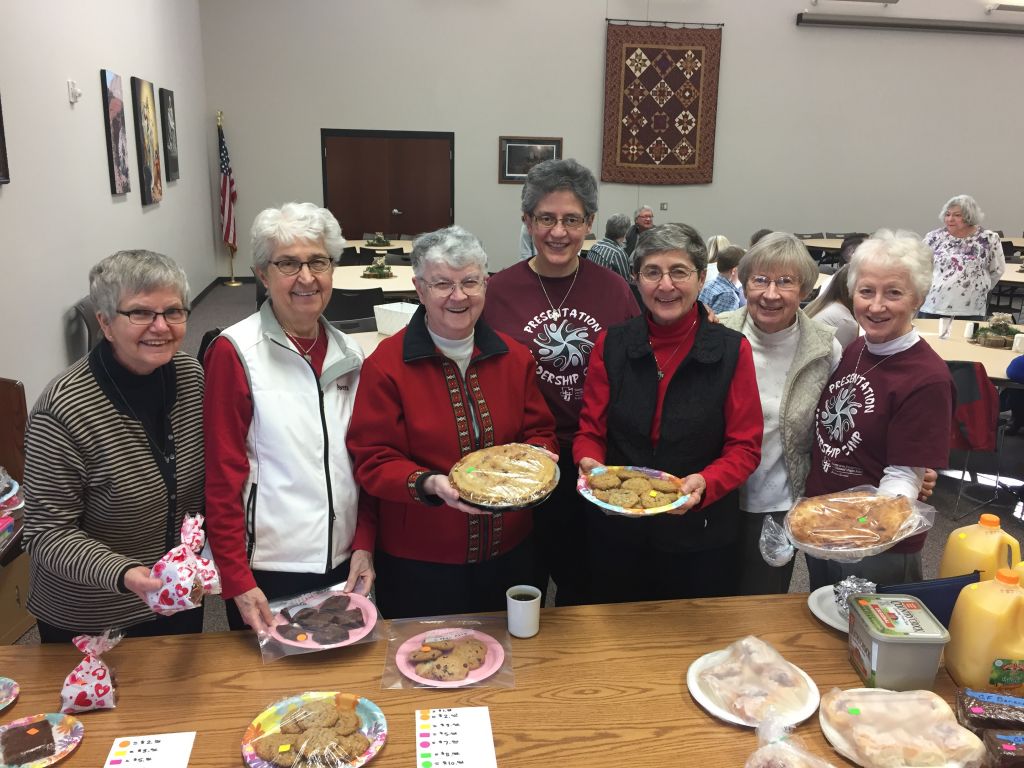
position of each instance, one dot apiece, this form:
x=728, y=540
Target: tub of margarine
x=895, y=642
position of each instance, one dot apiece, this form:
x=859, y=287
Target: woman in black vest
x=671, y=391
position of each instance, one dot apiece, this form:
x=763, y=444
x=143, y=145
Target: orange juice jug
x=981, y=547
x=986, y=635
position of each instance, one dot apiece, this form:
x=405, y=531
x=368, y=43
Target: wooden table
x=405, y=245
x=823, y=244
x=956, y=347
x=600, y=684
x=350, y=278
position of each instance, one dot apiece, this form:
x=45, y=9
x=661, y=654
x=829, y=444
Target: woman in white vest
x=281, y=501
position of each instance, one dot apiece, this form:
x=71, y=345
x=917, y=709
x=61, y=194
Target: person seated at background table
x=885, y=414
x=834, y=307
x=443, y=387
x=715, y=245
x=758, y=235
x=114, y=459
x=723, y=294
x=556, y=304
x=793, y=357
x=670, y=391
x=281, y=500
x=643, y=219
x=968, y=262
x=608, y=251
x=1012, y=398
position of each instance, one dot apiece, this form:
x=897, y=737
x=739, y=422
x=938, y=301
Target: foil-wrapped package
x=851, y=585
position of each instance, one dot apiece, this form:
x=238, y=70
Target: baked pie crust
x=848, y=520
x=513, y=475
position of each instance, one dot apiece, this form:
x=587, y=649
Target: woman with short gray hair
x=114, y=459
x=968, y=262
x=608, y=251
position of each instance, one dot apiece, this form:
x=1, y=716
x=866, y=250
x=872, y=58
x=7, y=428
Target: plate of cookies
x=318, y=728
x=452, y=657
x=325, y=620
x=632, y=491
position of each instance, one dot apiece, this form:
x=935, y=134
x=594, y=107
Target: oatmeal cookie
x=640, y=485
x=603, y=481
x=348, y=722
x=315, y=714
x=653, y=499
x=664, y=486
x=269, y=747
x=350, y=747
x=625, y=499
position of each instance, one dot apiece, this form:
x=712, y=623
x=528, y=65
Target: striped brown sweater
x=96, y=501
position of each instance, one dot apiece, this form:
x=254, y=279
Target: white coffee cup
x=1018, y=343
x=945, y=323
x=969, y=327
x=523, y=604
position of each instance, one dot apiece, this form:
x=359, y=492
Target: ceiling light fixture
x=1003, y=7
x=882, y=2
x=906, y=24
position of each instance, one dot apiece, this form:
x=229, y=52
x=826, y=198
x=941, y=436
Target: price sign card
x=161, y=750
x=450, y=738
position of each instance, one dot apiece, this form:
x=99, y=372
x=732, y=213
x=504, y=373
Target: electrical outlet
x=664, y=206
x=74, y=92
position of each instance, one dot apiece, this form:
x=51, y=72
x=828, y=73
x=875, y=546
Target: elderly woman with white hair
x=114, y=459
x=445, y=386
x=886, y=411
x=281, y=500
x=968, y=262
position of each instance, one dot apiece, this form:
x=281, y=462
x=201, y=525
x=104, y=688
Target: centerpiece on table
x=998, y=333
x=378, y=241
x=378, y=270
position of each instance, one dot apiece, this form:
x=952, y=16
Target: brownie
x=316, y=620
x=292, y=632
x=299, y=615
x=330, y=634
x=351, y=619
x=977, y=710
x=27, y=743
x=335, y=604
x=1004, y=747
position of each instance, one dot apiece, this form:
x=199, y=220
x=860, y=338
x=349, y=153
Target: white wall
x=817, y=128
x=57, y=216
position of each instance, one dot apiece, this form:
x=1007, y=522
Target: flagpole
x=232, y=282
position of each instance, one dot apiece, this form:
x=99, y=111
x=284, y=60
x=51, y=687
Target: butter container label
x=898, y=617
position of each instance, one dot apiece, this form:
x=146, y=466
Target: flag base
x=232, y=283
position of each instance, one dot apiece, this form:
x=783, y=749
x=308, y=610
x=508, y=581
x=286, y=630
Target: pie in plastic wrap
x=508, y=476
x=848, y=520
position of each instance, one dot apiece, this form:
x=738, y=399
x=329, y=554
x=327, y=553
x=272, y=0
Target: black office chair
x=398, y=259
x=82, y=328
x=816, y=254
x=378, y=251
x=352, y=304
x=353, y=257
x=207, y=340
x=356, y=325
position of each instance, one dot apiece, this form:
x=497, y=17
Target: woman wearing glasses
x=556, y=304
x=671, y=391
x=444, y=386
x=114, y=459
x=281, y=501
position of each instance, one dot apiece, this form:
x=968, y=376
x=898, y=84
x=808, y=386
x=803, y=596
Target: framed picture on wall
x=518, y=154
x=116, y=131
x=5, y=171
x=147, y=144
x=170, y=133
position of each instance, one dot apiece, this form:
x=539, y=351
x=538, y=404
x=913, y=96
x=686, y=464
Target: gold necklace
x=856, y=368
x=661, y=367
x=307, y=352
x=558, y=312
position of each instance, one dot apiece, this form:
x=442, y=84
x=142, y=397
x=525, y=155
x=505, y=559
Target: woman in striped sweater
x=114, y=459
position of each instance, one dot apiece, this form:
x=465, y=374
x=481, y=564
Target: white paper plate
x=705, y=700
x=822, y=603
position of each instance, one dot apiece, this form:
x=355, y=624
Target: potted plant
x=378, y=270
x=998, y=333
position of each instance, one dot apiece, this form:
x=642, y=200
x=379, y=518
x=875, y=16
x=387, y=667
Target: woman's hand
x=439, y=485
x=139, y=581
x=931, y=477
x=694, y=486
x=588, y=464
x=254, y=609
x=360, y=573
x=712, y=317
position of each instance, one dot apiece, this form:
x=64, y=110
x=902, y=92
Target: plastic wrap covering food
x=752, y=680
x=509, y=476
x=780, y=749
x=90, y=685
x=876, y=728
x=186, y=575
x=853, y=524
x=981, y=709
x=631, y=491
x=775, y=546
x=851, y=585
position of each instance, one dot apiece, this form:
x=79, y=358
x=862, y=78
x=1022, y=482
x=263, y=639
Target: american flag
x=227, y=194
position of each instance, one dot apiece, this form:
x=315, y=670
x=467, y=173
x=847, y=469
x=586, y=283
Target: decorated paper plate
x=8, y=692
x=822, y=603
x=264, y=732
x=63, y=731
x=492, y=662
x=707, y=701
x=306, y=639
x=584, y=489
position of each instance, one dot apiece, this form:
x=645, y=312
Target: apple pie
x=513, y=475
x=848, y=520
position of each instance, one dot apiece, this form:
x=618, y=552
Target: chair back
x=398, y=259
x=13, y=419
x=809, y=235
x=938, y=595
x=352, y=304
x=205, y=343
x=356, y=325
x=83, y=329
x=976, y=418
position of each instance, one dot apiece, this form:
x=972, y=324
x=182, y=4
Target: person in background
x=114, y=459
x=759, y=234
x=846, y=249
x=556, y=304
x=281, y=499
x=833, y=307
x=885, y=414
x=643, y=219
x=968, y=262
x=715, y=245
x=1012, y=397
x=442, y=387
x=526, y=250
x=608, y=251
x=671, y=391
x=724, y=294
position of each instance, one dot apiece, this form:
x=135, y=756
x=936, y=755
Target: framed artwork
x=170, y=133
x=147, y=144
x=5, y=171
x=518, y=154
x=116, y=131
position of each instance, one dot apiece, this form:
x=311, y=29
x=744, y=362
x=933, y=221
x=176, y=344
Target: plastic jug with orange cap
x=986, y=635
x=984, y=547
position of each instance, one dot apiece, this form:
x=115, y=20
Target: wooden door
x=396, y=182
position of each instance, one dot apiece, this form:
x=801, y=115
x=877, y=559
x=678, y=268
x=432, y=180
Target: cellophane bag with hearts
x=91, y=684
x=186, y=575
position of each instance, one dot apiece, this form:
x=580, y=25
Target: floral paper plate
x=268, y=723
x=584, y=489
x=8, y=692
x=67, y=733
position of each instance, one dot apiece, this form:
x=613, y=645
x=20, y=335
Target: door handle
x=395, y=212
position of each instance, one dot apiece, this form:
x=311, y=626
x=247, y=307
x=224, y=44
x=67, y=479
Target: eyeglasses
x=471, y=286
x=289, y=267
x=676, y=274
x=547, y=221
x=784, y=284
x=175, y=316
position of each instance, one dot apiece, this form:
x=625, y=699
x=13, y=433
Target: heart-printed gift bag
x=185, y=575
x=90, y=684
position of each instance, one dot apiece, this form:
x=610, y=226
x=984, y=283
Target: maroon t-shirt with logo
x=559, y=329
